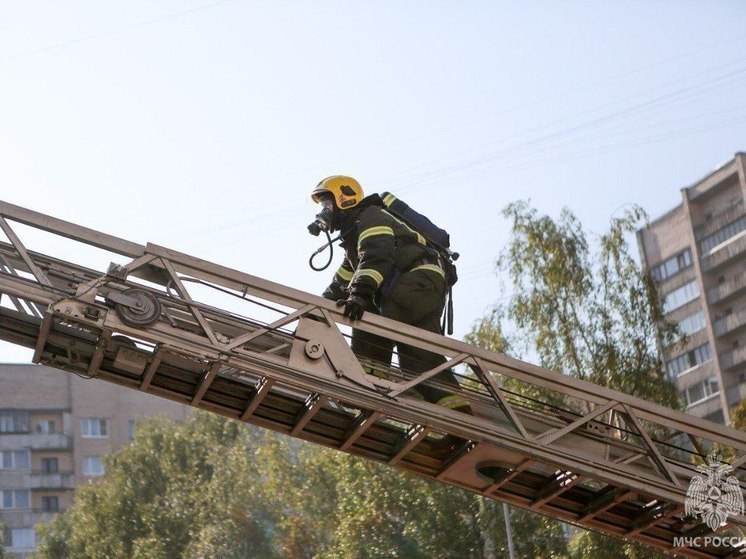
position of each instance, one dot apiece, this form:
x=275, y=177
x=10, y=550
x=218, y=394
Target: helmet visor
x=326, y=201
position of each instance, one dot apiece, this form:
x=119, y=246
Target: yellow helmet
x=346, y=191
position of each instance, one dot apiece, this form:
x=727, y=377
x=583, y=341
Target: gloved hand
x=355, y=305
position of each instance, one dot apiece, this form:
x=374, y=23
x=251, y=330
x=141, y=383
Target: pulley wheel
x=147, y=311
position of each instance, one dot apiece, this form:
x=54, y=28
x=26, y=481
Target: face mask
x=324, y=219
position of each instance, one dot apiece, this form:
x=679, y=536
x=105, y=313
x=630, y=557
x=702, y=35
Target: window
x=690, y=359
x=94, y=428
x=693, y=323
x=50, y=504
x=719, y=237
x=92, y=466
x=14, y=422
x=15, y=499
x=700, y=391
x=49, y=465
x=672, y=266
x=681, y=296
x=46, y=427
x=15, y=460
x=22, y=538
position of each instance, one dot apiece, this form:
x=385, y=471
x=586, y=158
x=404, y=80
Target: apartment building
x=696, y=253
x=55, y=429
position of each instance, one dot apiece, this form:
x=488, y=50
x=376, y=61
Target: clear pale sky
x=203, y=126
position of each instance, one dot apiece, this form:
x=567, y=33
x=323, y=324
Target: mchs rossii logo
x=714, y=497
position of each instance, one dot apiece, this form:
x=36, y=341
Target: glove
x=355, y=305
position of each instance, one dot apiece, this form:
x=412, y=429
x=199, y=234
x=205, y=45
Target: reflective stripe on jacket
x=374, y=245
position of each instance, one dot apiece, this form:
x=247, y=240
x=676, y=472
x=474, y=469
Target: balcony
x=733, y=359
x=726, y=290
x=695, y=375
x=17, y=518
x=59, y=480
x=723, y=255
x=730, y=323
x=706, y=406
x=719, y=221
x=36, y=441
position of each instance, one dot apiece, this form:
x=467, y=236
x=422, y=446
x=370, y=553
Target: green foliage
x=592, y=545
x=595, y=316
x=386, y=513
x=487, y=333
x=592, y=314
x=738, y=416
x=212, y=488
x=2, y=540
x=52, y=538
x=166, y=497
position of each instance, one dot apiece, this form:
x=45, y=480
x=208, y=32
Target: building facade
x=55, y=429
x=696, y=254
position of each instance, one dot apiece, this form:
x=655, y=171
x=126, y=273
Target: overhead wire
x=293, y=213
x=606, y=105
x=538, y=142
x=94, y=36
x=523, y=106
x=588, y=131
x=603, y=150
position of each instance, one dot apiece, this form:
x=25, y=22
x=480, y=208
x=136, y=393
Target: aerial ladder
x=231, y=343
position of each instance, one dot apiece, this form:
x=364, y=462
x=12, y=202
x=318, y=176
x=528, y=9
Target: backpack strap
x=446, y=326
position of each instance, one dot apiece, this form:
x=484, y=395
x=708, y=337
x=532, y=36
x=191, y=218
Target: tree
x=214, y=488
x=593, y=545
x=597, y=316
x=594, y=315
x=2, y=540
x=738, y=416
x=165, y=496
x=382, y=512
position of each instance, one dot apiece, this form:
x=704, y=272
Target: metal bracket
x=340, y=362
x=122, y=299
x=80, y=310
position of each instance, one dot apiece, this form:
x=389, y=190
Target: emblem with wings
x=714, y=498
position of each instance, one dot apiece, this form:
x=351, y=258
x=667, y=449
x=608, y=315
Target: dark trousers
x=418, y=300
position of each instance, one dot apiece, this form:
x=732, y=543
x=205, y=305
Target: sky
x=203, y=126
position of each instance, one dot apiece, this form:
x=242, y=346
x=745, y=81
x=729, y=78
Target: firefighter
x=389, y=270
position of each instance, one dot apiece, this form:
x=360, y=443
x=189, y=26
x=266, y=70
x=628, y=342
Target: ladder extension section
x=215, y=338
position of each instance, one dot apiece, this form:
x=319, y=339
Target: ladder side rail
x=394, y=330
x=436, y=343
x=577, y=462
x=422, y=413
x=71, y=230
x=416, y=412
x=468, y=427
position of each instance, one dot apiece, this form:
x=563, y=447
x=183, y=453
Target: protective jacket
x=388, y=262
x=379, y=247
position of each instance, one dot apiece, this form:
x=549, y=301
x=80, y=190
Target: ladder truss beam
x=306, y=382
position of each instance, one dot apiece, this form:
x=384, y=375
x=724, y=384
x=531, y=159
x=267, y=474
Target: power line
x=691, y=91
x=583, y=87
x=117, y=30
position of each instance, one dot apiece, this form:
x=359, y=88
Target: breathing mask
x=325, y=218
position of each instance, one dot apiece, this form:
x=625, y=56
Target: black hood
x=345, y=219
